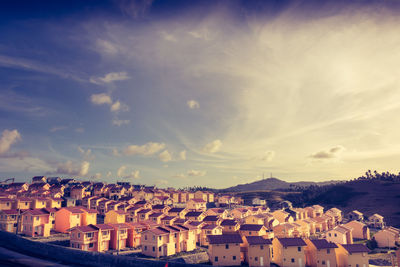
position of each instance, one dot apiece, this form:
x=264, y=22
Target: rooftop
x=224, y=239
x=292, y=242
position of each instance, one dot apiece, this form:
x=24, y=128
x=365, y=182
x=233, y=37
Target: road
x=15, y=259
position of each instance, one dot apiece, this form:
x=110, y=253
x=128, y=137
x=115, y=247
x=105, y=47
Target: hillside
x=366, y=196
x=272, y=184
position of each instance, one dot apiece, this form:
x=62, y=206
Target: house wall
x=336, y=237
x=385, y=238
x=88, y=218
x=283, y=256
x=221, y=256
x=321, y=257
x=259, y=255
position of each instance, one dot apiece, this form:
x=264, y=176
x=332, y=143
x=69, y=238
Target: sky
x=199, y=93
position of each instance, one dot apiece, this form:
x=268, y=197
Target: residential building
x=353, y=255
x=340, y=234
x=115, y=216
x=388, y=237
x=257, y=251
x=119, y=235
x=8, y=220
x=321, y=253
x=224, y=250
x=289, y=252
x=229, y=226
x=196, y=204
x=360, y=230
x=36, y=222
x=355, y=215
x=376, y=221
x=207, y=230
x=252, y=230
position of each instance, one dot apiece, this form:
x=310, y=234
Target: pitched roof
x=292, y=242
x=224, y=239
x=209, y=226
x=10, y=212
x=211, y=218
x=250, y=227
x=193, y=213
x=86, y=228
x=355, y=248
x=37, y=212
x=228, y=222
x=323, y=243
x=176, y=209
x=198, y=200
x=104, y=226
x=258, y=240
x=145, y=211
x=156, y=215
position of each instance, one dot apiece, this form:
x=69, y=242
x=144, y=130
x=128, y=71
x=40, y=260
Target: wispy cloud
x=110, y=77
x=213, y=147
x=147, y=149
x=135, y=174
x=7, y=139
x=196, y=173
x=331, y=153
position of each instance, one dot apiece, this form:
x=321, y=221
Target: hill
x=273, y=184
x=366, y=196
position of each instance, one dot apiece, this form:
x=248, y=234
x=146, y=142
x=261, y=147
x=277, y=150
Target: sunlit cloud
x=72, y=168
x=165, y=156
x=7, y=139
x=110, y=77
x=135, y=174
x=213, y=147
x=331, y=153
x=193, y=104
x=147, y=149
x=196, y=173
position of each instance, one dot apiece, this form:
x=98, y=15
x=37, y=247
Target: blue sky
x=212, y=93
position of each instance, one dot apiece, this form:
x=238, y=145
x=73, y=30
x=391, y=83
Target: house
x=168, y=220
x=6, y=203
x=289, y=252
x=222, y=213
x=161, y=208
x=115, y=216
x=212, y=219
x=196, y=204
x=119, y=235
x=178, y=212
x=284, y=230
x=156, y=217
x=38, y=203
x=387, y=237
x=229, y=226
x=258, y=202
x=162, y=200
x=23, y=203
x=39, y=179
x=355, y=215
x=360, y=230
x=239, y=213
x=155, y=243
x=207, y=230
x=69, y=217
x=224, y=250
x=53, y=203
x=353, y=255
x=319, y=210
x=320, y=253
x=53, y=180
x=257, y=251
x=86, y=238
x=376, y=221
x=340, y=234
x=195, y=216
x=144, y=214
x=36, y=222
x=8, y=220
x=200, y=195
x=282, y=216
x=336, y=213
x=252, y=230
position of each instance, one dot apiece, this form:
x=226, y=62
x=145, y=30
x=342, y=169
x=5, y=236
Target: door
x=328, y=263
x=261, y=261
x=300, y=263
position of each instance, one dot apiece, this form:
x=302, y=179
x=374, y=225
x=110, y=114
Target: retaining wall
x=75, y=256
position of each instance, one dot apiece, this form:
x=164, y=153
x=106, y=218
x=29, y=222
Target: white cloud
x=106, y=47
x=147, y=149
x=87, y=154
x=57, y=128
x=268, y=156
x=116, y=106
x=118, y=122
x=135, y=174
x=97, y=176
x=115, y=152
x=165, y=156
x=193, y=104
x=213, y=147
x=100, y=99
x=331, y=153
x=168, y=36
x=110, y=77
x=7, y=139
x=109, y=174
x=182, y=155
x=75, y=169
x=196, y=173
x=179, y=175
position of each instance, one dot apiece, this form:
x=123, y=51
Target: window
x=227, y=246
x=234, y=258
x=159, y=238
x=91, y=245
x=89, y=235
x=330, y=234
x=78, y=246
x=154, y=248
x=79, y=235
x=145, y=247
x=256, y=258
x=261, y=247
x=328, y=251
x=216, y=259
x=145, y=237
x=298, y=248
x=8, y=204
x=323, y=262
x=159, y=249
x=292, y=260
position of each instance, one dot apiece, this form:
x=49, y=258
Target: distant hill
x=366, y=196
x=273, y=184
